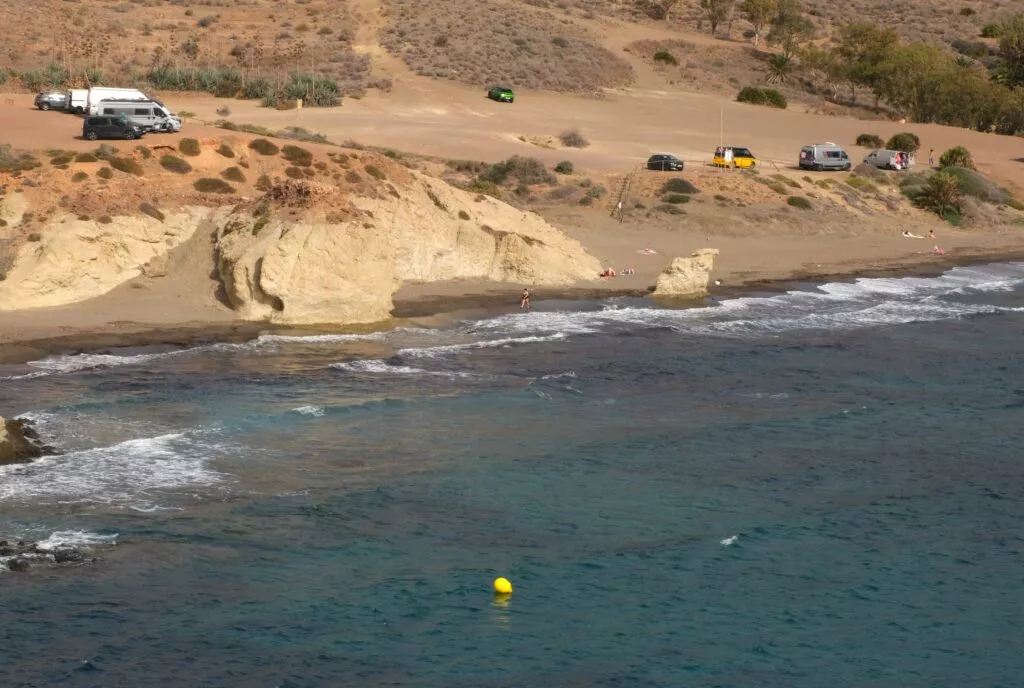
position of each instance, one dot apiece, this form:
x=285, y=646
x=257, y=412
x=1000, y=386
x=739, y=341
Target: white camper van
x=78, y=100
x=100, y=93
x=151, y=115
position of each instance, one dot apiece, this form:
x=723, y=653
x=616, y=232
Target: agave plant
x=780, y=68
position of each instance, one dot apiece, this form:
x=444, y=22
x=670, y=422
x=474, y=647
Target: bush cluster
x=762, y=96
x=872, y=141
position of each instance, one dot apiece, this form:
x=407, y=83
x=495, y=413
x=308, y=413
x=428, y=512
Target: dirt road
x=438, y=118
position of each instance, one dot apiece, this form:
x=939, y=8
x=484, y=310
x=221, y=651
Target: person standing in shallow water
x=524, y=304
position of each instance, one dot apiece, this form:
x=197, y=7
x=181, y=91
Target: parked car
x=111, y=128
x=824, y=156
x=52, y=100
x=733, y=156
x=502, y=94
x=664, y=162
x=888, y=159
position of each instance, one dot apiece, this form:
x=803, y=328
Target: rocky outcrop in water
x=21, y=556
x=20, y=443
x=687, y=276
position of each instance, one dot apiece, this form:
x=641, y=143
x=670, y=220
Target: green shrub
x=264, y=147
x=774, y=184
x=904, y=141
x=352, y=177
x=463, y=215
x=374, y=171
x=86, y=157
x=263, y=183
x=974, y=184
x=189, y=147
x=63, y=159
x=524, y=171
x=678, y=185
x=669, y=209
x=596, y=191
x=572, y=138
x=666, y=57
x=211, y=185
x=564, y=167
x=127, y=165
x=799, y=202
x=294, y=173
x=104, y=219
x=762, y=96
x=991, y=31
x=484, y=188
x=786, y=180
x=872, y=141
x=861, y=184
x=105, y=173
x=152, y=211
x=957, y=156
x=677, y=198
x=233, y=174
x=225, y=150
x=300, y=157
x=172, y=163
x=79, y=177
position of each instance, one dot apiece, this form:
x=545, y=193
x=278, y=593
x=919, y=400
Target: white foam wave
x=376, y=366
x=317, y=338
x=316, y=411
x=434, y=351
x=559, y=376
x=859, y=303
x=79, y=539
x=119, y=474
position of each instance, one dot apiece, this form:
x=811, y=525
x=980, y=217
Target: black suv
x=664, y=162
x=110, y=128
x=51, y=100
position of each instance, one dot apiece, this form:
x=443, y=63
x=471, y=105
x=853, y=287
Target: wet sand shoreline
x=433, y=304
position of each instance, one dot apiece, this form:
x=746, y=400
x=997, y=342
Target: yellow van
x=733, y=156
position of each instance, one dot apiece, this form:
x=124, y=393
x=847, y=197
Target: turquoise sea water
x=817, y=488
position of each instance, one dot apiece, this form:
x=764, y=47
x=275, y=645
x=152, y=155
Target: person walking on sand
x=524, y=304
x=931, y=158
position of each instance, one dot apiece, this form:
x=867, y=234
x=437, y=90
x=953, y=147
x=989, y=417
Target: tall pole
x=721, y=126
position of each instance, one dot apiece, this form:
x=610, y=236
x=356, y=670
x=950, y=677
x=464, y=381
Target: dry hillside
x=494, y=41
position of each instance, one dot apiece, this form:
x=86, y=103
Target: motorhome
x=78, y=100
x=151, y=115
x=101, y=93
x=824, y=156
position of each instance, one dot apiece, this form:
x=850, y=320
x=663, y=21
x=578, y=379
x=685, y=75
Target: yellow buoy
x=502, y=586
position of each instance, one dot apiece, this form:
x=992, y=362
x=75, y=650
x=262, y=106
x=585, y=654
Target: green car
x=501, y=94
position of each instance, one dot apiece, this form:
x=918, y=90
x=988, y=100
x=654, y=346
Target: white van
x=78, y=100
x=100, y=93
x=824, y=156
x=150, y=115
x=889, y=159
